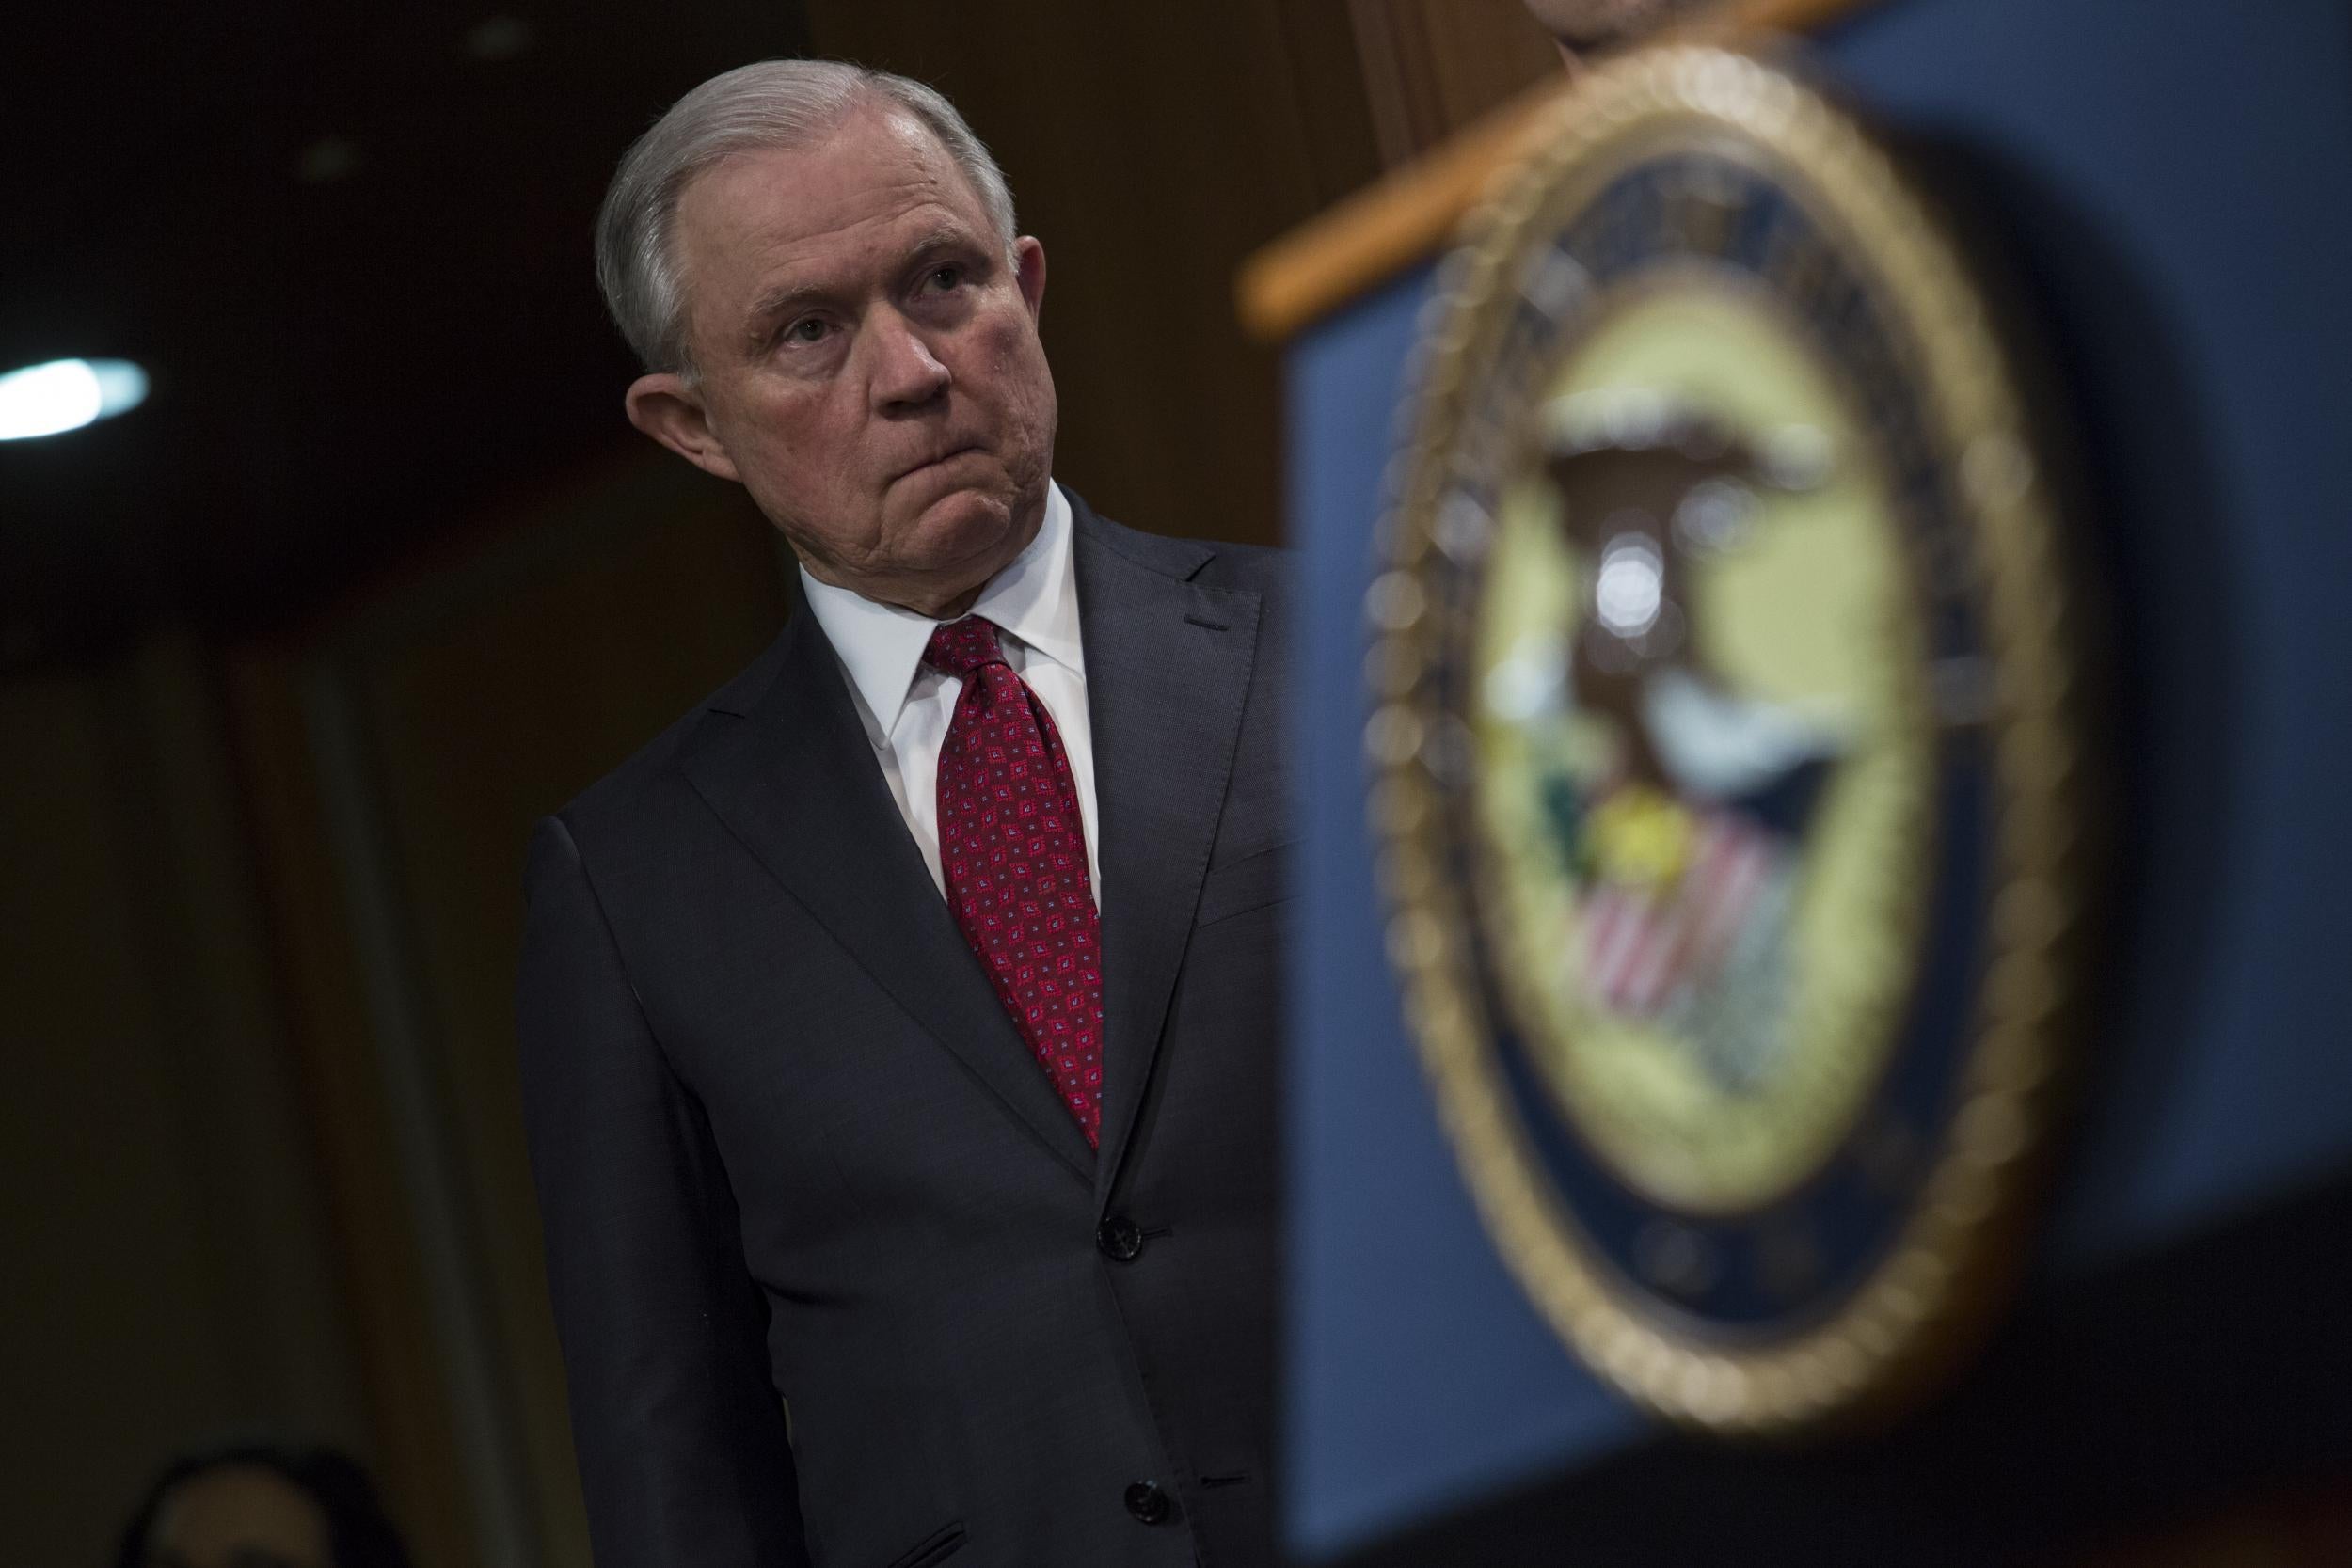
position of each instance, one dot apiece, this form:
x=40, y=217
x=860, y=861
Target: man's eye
x=946, y=277
x=808, y=329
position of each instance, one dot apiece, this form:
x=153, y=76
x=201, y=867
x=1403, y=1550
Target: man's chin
x=969, y=524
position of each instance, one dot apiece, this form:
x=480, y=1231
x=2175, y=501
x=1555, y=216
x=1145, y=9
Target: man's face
x=870, y=368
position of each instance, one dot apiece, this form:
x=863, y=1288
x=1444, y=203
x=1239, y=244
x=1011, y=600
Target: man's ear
x=1028, y=271
x=670, y=410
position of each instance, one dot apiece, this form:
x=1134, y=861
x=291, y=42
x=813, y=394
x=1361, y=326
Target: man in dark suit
x=900, y=1029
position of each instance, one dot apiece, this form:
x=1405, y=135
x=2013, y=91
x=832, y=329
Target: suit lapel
x=793, y=777
x=1168, y=667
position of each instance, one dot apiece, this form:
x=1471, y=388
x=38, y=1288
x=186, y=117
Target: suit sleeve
x=681, y=1438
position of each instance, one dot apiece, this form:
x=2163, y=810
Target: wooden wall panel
x=399, y=753
x=1432, y=67
x=167, y=1271
x=116, y=1322
x=379, y=1253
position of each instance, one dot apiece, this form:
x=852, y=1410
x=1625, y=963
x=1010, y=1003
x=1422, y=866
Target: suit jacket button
x=1148, y=1504
x=1119, y=1237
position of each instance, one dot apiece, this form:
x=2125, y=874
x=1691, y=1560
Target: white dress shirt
x=905, y=705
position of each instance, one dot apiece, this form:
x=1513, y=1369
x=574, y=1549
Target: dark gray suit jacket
x=790, y=1151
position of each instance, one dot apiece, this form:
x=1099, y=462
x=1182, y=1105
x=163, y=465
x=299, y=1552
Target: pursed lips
x=942, y=457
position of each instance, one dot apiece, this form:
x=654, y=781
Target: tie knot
x=959, y=647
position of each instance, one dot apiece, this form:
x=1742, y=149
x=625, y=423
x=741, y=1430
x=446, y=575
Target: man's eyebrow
x=783, y=299
x=942, y=239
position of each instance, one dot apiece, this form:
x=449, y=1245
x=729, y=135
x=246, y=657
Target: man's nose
x=906, y=374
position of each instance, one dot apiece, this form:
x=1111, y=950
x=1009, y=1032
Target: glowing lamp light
x=67, y=394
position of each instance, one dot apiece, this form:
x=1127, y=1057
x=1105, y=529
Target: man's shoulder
x=1214, y=563
x=1264, y=567
x=653, y=769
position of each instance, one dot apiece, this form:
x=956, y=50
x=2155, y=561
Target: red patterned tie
x=1013, y=848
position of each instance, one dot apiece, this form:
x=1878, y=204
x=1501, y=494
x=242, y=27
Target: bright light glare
x=1631, y=585
x=67, y=394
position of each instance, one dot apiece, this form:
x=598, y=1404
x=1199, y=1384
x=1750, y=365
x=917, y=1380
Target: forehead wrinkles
x=754, y=216
x=873, y=221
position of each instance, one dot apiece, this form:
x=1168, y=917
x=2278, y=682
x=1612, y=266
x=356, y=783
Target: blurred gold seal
x=1724, y=763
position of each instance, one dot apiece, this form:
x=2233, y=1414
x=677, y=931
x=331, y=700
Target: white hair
x=772, y=104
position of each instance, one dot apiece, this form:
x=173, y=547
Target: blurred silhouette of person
x=254, y=1503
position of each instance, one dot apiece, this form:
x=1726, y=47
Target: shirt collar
x=880, y=645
